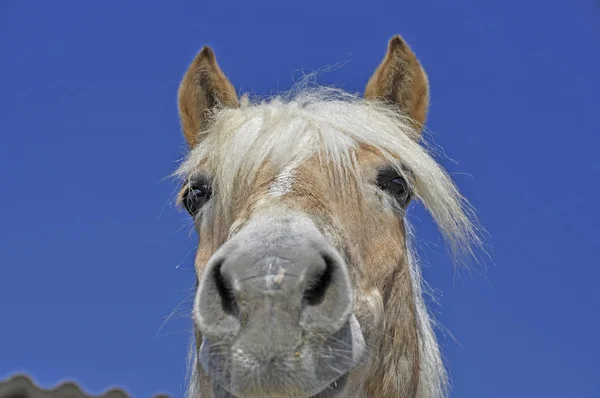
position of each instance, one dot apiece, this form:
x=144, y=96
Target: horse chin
x=323, y=374
x=336, y=389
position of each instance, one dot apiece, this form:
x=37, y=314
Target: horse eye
x=397, y=187
x=196, y=196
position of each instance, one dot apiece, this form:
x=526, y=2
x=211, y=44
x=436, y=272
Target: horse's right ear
x=203, y=87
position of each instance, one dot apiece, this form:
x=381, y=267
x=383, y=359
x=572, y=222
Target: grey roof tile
x=21, y=386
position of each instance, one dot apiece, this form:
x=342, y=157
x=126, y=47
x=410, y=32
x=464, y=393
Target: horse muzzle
x=275, y=308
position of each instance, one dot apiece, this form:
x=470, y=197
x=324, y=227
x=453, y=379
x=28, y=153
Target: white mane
x=330, y=123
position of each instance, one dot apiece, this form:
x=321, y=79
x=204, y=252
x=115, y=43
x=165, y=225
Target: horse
x=307, y=285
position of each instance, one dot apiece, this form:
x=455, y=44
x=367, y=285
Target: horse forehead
x=297, y=173
x=284, y=181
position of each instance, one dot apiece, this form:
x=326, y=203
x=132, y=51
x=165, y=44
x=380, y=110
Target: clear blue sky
x=93, y=257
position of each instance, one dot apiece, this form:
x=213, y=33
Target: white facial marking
x=269, y=275
x=283, y=183
x=279, y=277
x=272, y=280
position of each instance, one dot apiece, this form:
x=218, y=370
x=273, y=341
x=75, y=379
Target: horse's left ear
x=203, y=87
x=401, y=80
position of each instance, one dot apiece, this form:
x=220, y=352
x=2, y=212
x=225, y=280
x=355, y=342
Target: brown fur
x=401, y=80
x=203, y=87
x=370, y=235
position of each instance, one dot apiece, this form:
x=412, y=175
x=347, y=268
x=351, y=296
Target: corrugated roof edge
x=22, y=386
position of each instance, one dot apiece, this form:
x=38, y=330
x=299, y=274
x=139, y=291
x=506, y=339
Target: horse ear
x=401, y=80
x=203, y=87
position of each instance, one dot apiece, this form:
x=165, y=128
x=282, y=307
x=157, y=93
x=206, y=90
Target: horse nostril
x=315, y=293
x=225, y=292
